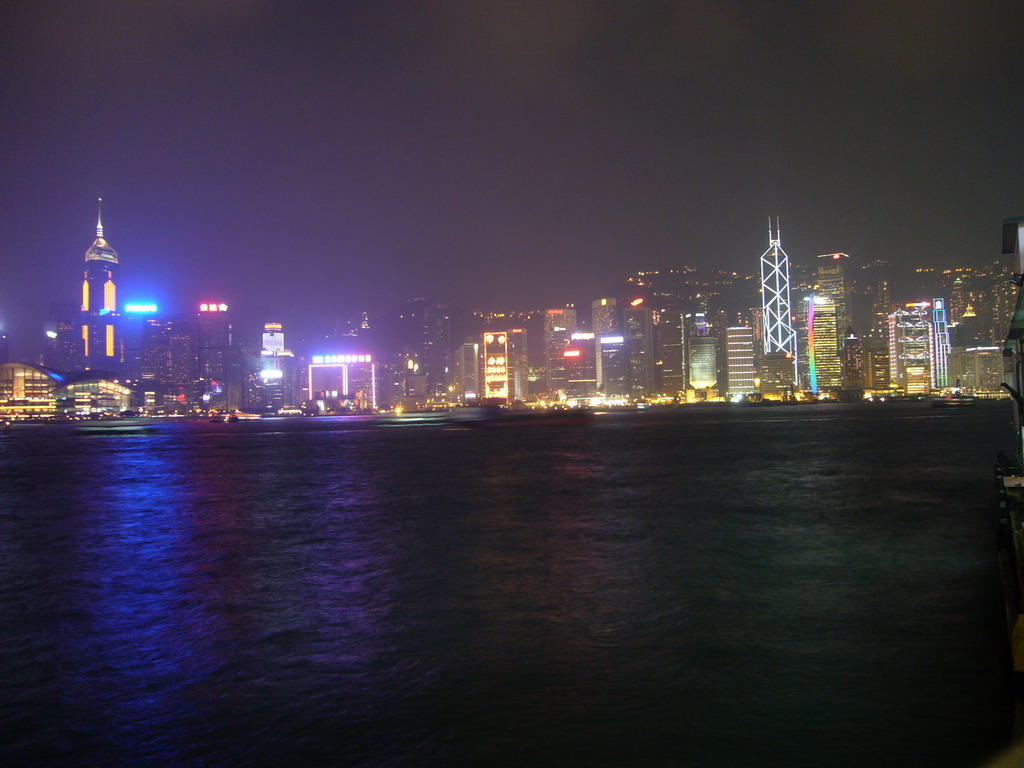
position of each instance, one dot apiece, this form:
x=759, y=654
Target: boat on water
x=120, y=426
x=954, y=401
x=495, y=417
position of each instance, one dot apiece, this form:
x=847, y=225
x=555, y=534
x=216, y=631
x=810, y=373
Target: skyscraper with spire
x=779, y=336
x=99, y=303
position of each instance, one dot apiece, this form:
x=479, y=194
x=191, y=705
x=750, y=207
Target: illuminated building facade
x=580, y=368
x=777, y=372
x=940, y=345
x=910, y=349
x=779, y=335
x=976, y=368
x=219, y=375
x=853, y=360
x=824, y=363
x=495, y=354
x=604, y=317
x=559, y=326
x=424, y=339
x=466, y=372
x=668, y=343
x=638, y=330
x=167, y=368
x=614, y=381
x=85, y=393
x=277, y=377
x=834, y=283
x=99, y=305
x=739, y=342
x=28, y=390
x=701, y=353
x=518, y=365
x=341, y=383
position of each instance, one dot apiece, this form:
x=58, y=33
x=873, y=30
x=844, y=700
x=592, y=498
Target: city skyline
x=332, y=159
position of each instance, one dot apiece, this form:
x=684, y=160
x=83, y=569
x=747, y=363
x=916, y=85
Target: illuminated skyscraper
x=853, y=360
x=614, y=366
x=668, y=343
x=940, y=345
x=518, y=365
x=559, y=326
x=824, y=362
x=167, y=363
x=910, y=349
x=833, y=281
x=638, y=330
x=99, y=304
x=466, y=372
x=739, y=340
x=219, y=376
x=779, y=335
x=495, y=350
x=580, y=366
x=604, y=317
x=424, y=339
x=277, y=380
x=701, y=353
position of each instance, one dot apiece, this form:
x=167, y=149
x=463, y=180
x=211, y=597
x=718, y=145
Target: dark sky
x=303, y=161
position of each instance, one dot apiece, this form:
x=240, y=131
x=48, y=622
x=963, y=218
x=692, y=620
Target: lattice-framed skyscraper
x=779, y=335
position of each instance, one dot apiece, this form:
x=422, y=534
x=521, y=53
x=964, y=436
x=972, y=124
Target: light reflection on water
x=668, y=589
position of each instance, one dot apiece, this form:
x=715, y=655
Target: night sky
x=304, y=161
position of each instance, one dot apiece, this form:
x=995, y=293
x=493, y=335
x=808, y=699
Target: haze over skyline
x=304, y=163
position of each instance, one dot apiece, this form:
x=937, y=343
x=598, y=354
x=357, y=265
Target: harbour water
x=720, y=586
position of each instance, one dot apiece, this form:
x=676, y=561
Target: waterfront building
x=876, y=369
x=495, y=357
x=277, y=375
x=424, y=329
x=99, y=304
x=701, y=354
x=824, y=363
x=5, y=349
x=339, y=383
x=910, y=349
x=853, y=360
x=940, y=345
x=614, y=382
x=559, y=326
x=167, y=369
x=518, y=365
x=91, y=393
x=739, y=355
x=638, y=330
x=27, y=390
x=834, y=283
x=976, y=368
x=779, y=335
x=219, y=376
x=776, y=375
x=668, y=345
x=580, y=368
x=466, y=372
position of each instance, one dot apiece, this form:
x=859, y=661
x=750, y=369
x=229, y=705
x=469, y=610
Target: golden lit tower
x=99, y=303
